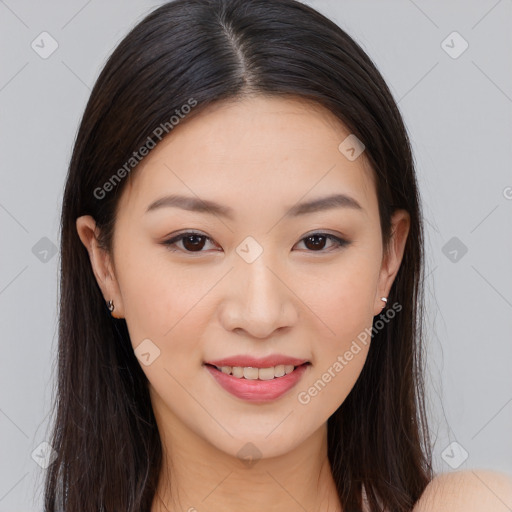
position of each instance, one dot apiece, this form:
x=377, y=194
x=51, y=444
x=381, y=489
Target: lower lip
x=258, y=390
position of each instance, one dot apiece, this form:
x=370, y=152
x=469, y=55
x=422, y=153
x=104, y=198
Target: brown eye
x=316, y=242
x=191, y=242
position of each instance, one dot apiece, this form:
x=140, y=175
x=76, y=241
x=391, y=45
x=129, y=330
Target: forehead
x=252, y=151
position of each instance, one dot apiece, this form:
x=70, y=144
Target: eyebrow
x=194, y=204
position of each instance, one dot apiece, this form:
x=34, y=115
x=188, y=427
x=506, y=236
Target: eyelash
x=340, y=242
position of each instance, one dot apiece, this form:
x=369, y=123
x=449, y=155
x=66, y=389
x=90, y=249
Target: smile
x=257, y=384
x=251, y=373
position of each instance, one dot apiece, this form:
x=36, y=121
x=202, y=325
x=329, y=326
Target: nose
x=258, y=301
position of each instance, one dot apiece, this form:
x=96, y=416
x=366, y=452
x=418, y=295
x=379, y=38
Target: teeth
x=279, y=370
x=251, y=373
x=236, y=371
x=265, y=373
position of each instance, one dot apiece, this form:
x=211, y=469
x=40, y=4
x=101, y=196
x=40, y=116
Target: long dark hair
x=195, y=53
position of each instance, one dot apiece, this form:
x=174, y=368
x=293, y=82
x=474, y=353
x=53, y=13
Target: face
x=257, y=283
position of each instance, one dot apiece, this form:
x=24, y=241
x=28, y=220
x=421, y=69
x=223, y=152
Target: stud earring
x=110, y=306
x=385, y=301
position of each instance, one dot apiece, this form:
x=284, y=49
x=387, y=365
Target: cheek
x=341, y=350
x=342, y=297
x=165, y=307
x=342, y=301
x=159, y=300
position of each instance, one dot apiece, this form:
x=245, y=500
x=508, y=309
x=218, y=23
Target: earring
x=110, y=305
x=385, y=301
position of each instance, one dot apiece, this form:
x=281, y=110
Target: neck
x=197, y=476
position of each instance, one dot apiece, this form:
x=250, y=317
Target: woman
x=242, y=258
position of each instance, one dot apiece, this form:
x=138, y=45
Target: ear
x=392, y=258
x=101, y=263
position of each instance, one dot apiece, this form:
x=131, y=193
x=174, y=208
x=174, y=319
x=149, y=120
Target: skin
x=467, y=491
x=258, y=156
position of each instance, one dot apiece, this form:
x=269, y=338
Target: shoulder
x=469, y=491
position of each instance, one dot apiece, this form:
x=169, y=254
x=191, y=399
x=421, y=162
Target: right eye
x=191, y=242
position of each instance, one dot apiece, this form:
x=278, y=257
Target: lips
x=255, y=390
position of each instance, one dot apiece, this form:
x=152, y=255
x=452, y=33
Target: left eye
x=318, y=241
x=194, y=242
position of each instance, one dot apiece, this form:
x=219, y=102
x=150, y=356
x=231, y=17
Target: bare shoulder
x=475, y=490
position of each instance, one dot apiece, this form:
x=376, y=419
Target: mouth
x=257, y=384
x=254, y=373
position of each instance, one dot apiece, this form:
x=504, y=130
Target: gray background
x=458, y=113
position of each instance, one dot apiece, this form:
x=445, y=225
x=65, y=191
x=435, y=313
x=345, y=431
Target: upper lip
x=254, y=362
